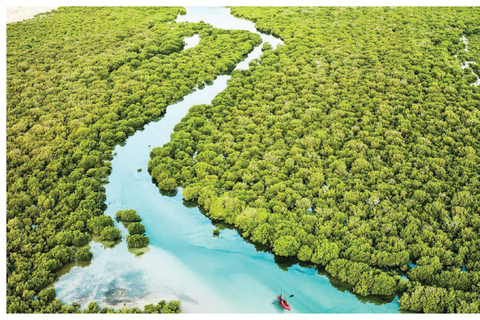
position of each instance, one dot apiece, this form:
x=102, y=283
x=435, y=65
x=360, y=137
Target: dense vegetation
x=128, y=215
x=354, y=146
x=137, y=241
x=55, y=306
x=131, y=221
x=79, y=81
x=136, y=228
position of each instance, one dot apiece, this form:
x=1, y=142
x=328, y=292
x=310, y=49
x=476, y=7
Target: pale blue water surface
x=185, y=261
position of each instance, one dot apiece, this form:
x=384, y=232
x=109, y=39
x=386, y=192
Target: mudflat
x=15, y=14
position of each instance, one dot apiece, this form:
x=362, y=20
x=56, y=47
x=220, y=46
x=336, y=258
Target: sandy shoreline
x=15, y=14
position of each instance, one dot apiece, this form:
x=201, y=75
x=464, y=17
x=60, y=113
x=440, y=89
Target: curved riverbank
x=186, y=262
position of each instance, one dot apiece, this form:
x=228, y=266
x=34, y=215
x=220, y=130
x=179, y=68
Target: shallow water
x=191, y=42
x=185, y=261
x=467, y=64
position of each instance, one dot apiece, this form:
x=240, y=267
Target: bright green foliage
x=286, y=246
x=136, y=228
x=137, y=241
x=362, y=278
x=431, y=299
x=325, y=252
x=69, y=238
x=80, y=239
x=56, y=306
x=150, y=308
x=93, y=307
x=172, y=307
x=226, y=208
x=79, y=81
x=305, y=253
x=161, y=307
x=97, y=224
x=357, y=140
x=84, y=254
x=46, y=295
x=128, y=215
x=110, y=234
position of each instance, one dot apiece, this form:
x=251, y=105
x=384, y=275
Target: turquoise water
x=185, y=261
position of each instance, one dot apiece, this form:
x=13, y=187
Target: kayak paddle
x=277, y=301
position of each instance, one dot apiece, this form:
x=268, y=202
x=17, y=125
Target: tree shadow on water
x=284, y=263
x=66, y=268
x=168, y=193
x=190, y=204
x=345, y=287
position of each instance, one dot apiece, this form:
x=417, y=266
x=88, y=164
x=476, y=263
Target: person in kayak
x=283, y=301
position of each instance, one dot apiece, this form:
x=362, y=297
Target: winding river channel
x=185, y=261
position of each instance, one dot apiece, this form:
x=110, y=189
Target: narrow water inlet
x=191, y=42
x=186, y=262
x=467, y=64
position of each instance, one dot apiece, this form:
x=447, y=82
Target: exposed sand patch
x=15, y=14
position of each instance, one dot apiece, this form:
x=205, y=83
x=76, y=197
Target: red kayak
x=284, y=305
